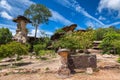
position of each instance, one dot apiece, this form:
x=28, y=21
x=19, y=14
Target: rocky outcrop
x=21, y=32
x=66, y=29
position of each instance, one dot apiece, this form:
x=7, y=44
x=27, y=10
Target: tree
x=5, y=35
x=38, y=14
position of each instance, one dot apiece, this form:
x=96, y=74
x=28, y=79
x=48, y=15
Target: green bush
x=75, y=40
x=110, y=42
x=39, y=47
x=101, y=32
x=12, y=49
x=5, y=35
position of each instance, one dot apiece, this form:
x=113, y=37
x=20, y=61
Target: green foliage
x=13, y=48
x=85, y=39
x=67, y=41
x=44, y=52
x=41, y=45
x=90, y=28
x=59, y=31
x=101, y=32
x=38, y=14
x=5, y=35
x=110, y=42
x=75, y=40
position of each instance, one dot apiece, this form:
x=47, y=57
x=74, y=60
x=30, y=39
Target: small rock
x=107, y=56
x=89, y=71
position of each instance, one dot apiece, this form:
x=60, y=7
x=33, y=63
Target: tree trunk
x=36, y=27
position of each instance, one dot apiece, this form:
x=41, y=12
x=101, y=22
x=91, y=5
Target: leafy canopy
x=38, y=14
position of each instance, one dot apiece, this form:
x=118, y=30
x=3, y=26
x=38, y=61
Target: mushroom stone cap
x=63, y=50
x=21, y=18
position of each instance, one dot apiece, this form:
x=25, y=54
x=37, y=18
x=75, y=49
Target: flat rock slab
x=82, y=61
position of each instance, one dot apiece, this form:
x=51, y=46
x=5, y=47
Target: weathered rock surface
x=21, y=32
x=82, y=61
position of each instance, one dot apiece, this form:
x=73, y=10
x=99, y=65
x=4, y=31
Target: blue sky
x=84, y=13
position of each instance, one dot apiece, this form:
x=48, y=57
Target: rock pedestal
x=21, y=32
x=64, y=71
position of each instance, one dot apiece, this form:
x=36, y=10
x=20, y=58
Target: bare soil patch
x=108, y=67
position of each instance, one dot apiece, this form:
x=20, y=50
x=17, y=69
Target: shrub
x=13, y=48
x=39, y=47
x=110, y=42
x=75, y=40
x=5, y=35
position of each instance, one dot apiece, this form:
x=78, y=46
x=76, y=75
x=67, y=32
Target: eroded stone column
x=21, y=32
x=64, y=71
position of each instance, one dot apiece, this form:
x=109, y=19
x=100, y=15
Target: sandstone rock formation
x=21, y=32
x=70, y=28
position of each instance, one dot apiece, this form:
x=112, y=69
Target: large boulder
x=82, y=61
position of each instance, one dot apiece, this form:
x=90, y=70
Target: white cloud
x=13, y=31
x=10, y=9
x=11, y=27
x=73, y=4
x=112, y=24
x=7, y=26
x=65, y=3
x=49, y=33
x=4, y=14
x=93, y=24
x=110, y=5
x=89, y=23
x=101, y=18
x=4, y=4
x=14, y=7
x=59, y=18
x=39, y=33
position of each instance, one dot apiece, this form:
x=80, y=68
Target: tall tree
x=38, y=14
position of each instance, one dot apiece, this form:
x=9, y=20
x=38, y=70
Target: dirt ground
x=101, y=75
x=109, y=69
